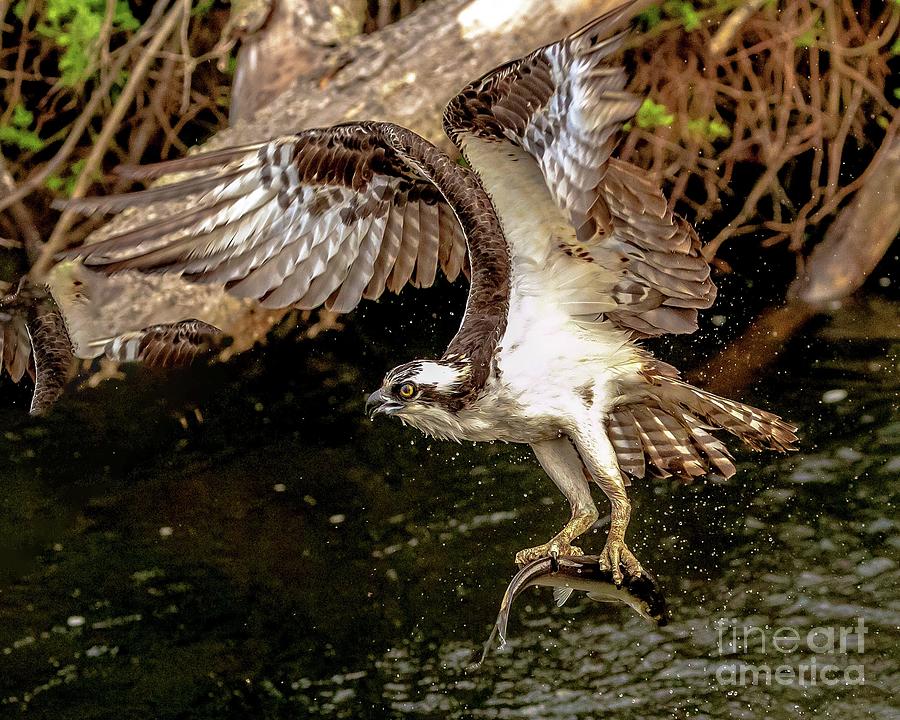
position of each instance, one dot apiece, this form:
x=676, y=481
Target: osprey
x=573, y=258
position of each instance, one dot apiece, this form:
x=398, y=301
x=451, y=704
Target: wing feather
x=429, y=243
x=409, y=248
x=17, y=358
x=626, y=439
x=455, y=251
x=387, y=253
x=564, y=105
x=352, y=289
x=170, y=345
x=290, y=220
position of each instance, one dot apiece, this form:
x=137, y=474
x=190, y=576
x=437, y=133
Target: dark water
x=238, y=541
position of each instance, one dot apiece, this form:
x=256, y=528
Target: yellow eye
x=407, y=390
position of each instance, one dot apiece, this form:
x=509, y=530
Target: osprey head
x=422, y=393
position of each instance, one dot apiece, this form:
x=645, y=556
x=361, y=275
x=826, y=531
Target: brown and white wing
x=327, y=216
x=563, y=105
x=165, y=346
x=34, y=339
x=15, y=346
x=54, y=361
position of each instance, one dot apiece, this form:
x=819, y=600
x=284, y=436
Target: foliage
x=686, y=13
x=65, y=185
x=61, y=52
x=773, y=131
x=18, y=133
x=75, y=27
x=811, y=36
x=710, y=129
x=652, y=114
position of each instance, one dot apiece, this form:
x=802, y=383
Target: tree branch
x=57, y=238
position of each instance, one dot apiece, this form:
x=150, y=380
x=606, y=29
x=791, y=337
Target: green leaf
x=684, y=11
x=203, y=7
x=806, y=39
x=74, y=26
x=18, y=133
x=27, y=140
x=652, y=114
x=66, y=184
x=122, y=17
x=716, y=129
x=22, y=117
x=54, y=183
x=710, y=129
x=651, y=17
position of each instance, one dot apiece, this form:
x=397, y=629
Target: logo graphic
x=827, y=655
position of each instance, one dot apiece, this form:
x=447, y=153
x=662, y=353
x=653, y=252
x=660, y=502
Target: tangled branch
x=790, y=95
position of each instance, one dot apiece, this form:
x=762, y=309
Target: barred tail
x=669, y=425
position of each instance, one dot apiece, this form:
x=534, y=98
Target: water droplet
x=834, y=396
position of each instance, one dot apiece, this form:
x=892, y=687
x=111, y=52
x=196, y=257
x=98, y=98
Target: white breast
x=545, y=357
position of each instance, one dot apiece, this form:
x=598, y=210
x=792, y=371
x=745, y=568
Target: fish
x=582, y=572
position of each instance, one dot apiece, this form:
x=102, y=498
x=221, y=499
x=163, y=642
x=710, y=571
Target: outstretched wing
x=325, y=216
x=164, y=346
x=15, y=346
x=34, y=339
x=561, y=108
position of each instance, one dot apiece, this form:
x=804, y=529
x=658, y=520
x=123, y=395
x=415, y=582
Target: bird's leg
x=561, y=462
x=561, y=543
x=600, y=456
x=616, y=554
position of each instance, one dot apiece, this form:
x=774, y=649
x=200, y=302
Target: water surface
x=239, y=541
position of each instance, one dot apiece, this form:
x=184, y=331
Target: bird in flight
x=573, y=258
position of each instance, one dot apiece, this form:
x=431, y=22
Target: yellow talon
x=553, y=548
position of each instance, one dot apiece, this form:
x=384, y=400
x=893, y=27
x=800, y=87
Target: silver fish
x=583, y=572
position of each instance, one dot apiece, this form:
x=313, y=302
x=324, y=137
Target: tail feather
x=668, y=424
x=626, y=439
x=666, y=441
x=758, y=428
x=712, y=447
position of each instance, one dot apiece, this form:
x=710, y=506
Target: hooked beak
x=378, y=404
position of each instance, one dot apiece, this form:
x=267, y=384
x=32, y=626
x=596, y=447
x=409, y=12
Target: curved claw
x=615, y=556
x=554, y=549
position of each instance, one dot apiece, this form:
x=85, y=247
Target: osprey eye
x=407, y=390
